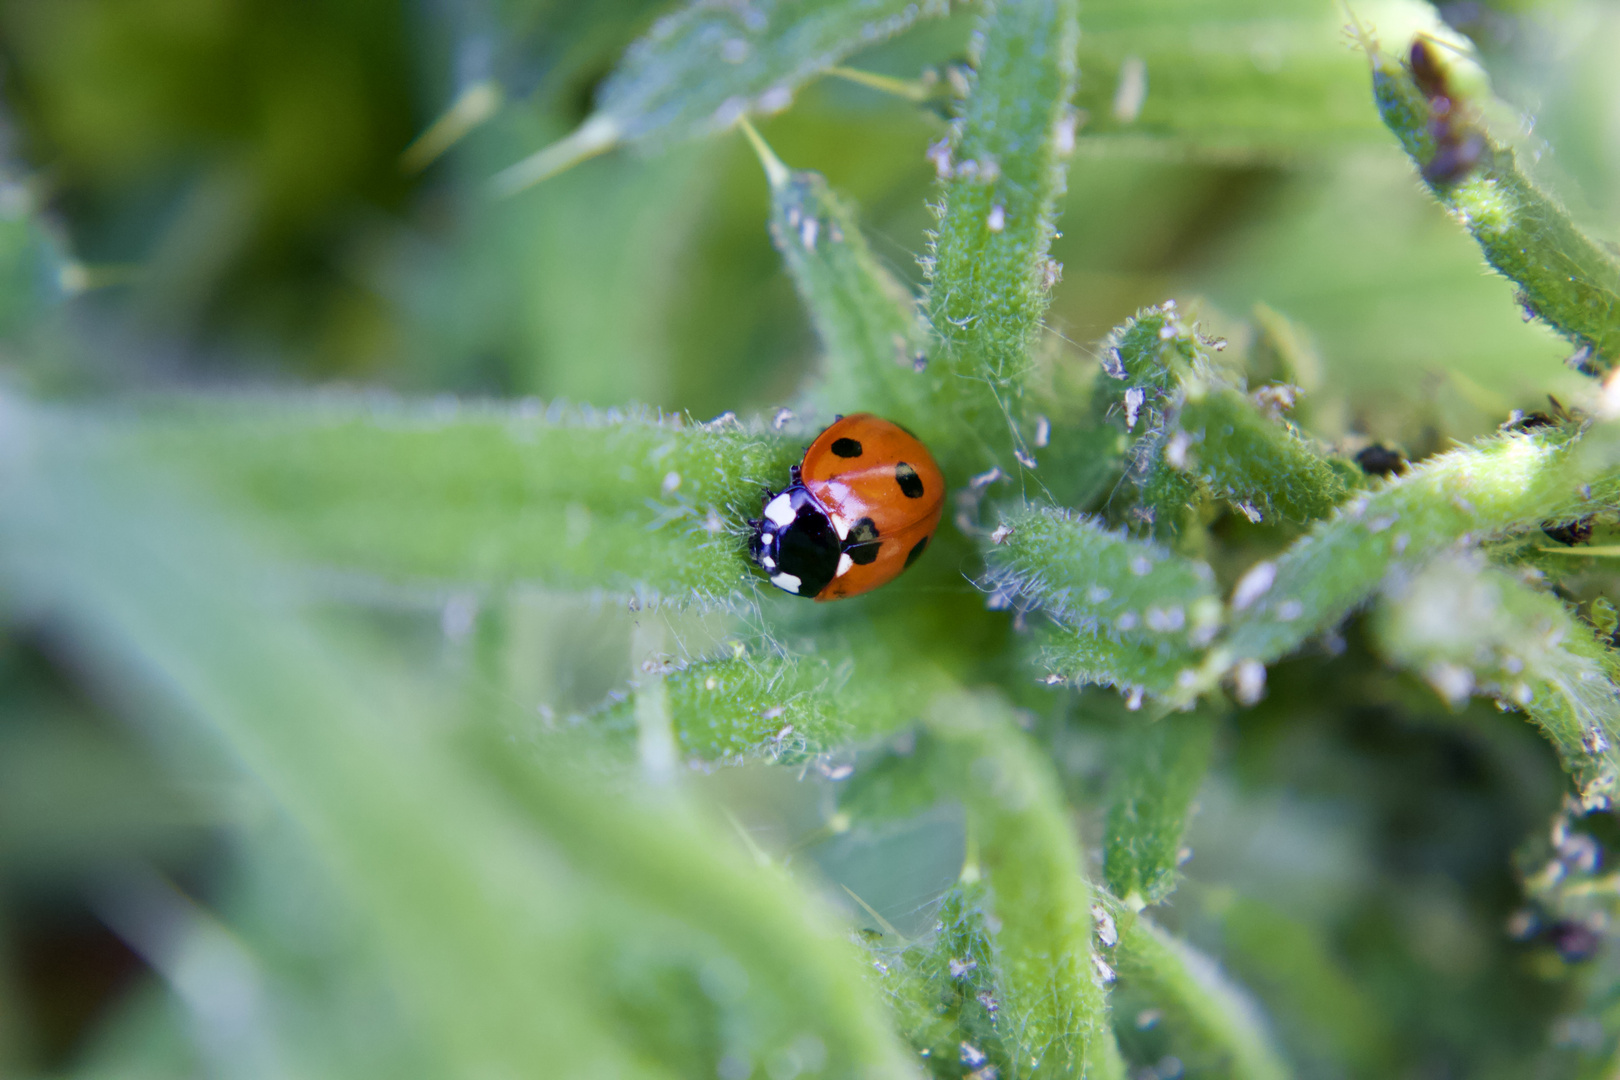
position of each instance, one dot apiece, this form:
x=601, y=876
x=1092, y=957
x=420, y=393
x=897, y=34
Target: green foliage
x=1132, y=614
x=1467, y=628
x=631, y=503
x=873, y=339
x=1511, y=482
x=1193, y=435
x=1226, y=1037
x=1002, y=172
x=467, y=740
x=777, y=708
x=477, y=919
x=1565, y=278
x=703, y=68
x=1050, y=982
x=1160, y=770
x=1186, y=76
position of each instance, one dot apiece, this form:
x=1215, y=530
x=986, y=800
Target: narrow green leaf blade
x=485, y=495
x=874, y=341
x=1199, y=1002
x=1471, y=629
x=1564, y=277
x=1132, y=614
x=1159, y=768
x=989, y=275
x=1052, y=982
x=1512, y=481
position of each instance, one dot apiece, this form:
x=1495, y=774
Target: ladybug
x=858, y=510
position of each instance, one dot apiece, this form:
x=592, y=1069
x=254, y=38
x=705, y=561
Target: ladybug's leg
x=767, y=496
x=793, y=473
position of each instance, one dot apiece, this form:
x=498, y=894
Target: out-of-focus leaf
x=1160, y=767
x=1259, y=80
x=703, y=68
x=485, y=495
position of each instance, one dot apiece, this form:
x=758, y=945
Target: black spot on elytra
x=846, y=448
x=916, y=551
x=911, y=484
x=862, y=545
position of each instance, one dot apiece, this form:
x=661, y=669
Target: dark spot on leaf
x=916, y=552
x=846, y=448
x=911, y=484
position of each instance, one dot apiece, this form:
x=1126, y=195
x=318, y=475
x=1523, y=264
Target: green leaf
x=491, y=908
x=1563, y=276
x=1262, y=79
x=1051, y=982
x=1131, y=613
x=484, y=495
x=942, y=990
x=1002, y=172
x=778, y=708
x=703, y=68
x=1512, y=481
x=1193, y=434
x=1199, y=1003
x=1158, y=770
x=168, y=603
x=873, y=338
x=1468, y=628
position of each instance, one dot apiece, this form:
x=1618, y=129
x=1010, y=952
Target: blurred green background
x=209, y=194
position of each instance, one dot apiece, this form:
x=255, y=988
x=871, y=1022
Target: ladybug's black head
x=795, y=543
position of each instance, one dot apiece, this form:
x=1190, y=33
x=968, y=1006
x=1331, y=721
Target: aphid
x=1381, y=460
x=1570, y=533
x=1458, y=146
x=1576, y=942
x=857, y=511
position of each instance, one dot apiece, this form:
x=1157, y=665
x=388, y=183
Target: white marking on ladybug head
x=780, y=510
x=785, y=582
x=768, y=563
x=844, y=563
x=841, y=525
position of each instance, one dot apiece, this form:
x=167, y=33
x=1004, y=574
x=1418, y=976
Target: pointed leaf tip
x=597, y=134
x=776, y=173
